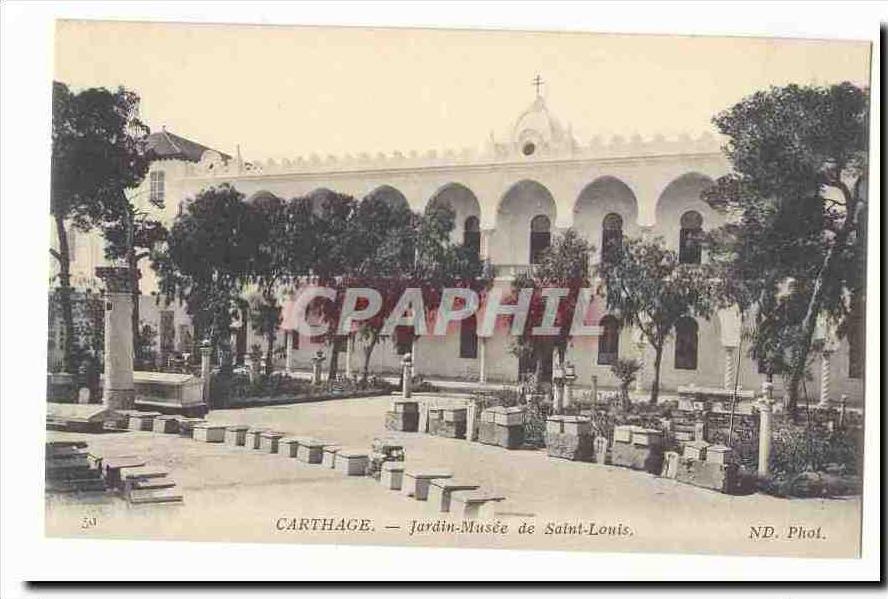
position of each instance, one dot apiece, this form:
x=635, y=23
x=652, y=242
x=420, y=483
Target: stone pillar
x=484, y=252
x=825, y=363
x=765, y=406
x=639, y=378
x=557, y=391
x=482, y=360
x=290, y=357
x=594, y=392
x=730, y=369
x=119, y=393
x=206, y=349
x=570, y=377
x=406, y=375
x=472, y=414
x=317, y=365
x=349, y=350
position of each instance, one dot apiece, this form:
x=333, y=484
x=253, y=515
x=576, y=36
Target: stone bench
x=209, y=433
x=236, y=435
x=473, y=505
x=166, y=424
x=416, y=482
x=186, y=426
x=142, y=421
x=392, y=475
x=352, y=462
x=329, y=459
x=310, y=451
x=288, y=447
x=254, y=437
x=269, y=441
x=441, y=489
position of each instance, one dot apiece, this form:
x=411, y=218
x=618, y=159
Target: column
x=594, y=391
x=557, y=390
x=482, y=360
x=485, y=244
x=317, y=363
x=406, y=375
x=119, y=393
x=765, y=406
x=730, y=369
x=205, y=351
x=570, y=376
x=825, y=363
x=288, y=340
x=349, y=349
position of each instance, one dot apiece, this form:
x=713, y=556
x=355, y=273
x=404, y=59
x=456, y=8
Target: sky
x=283, y=91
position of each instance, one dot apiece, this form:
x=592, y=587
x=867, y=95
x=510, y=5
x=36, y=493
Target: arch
x=609, y=341
x=611, y=236
x=680, y=195
x=686, y=342
x=604, y=196
x=462, y=202
x=522, y=202
x=389, y=195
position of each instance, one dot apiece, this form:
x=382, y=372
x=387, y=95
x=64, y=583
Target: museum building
x=510, y=197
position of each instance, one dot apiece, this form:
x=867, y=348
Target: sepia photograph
x=457, y=288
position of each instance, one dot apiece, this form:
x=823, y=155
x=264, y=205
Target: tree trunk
x=269, y=353
x=64, y=259
x=136, y=293
x=333, y=368
x=809, y=324
x=368, y=351
x=655, y=384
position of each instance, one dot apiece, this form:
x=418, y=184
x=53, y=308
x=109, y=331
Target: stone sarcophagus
x=403, y=416
x=502, y=426
x=708, y=466
x=569, y=437
x=170, y=393
x=638, y=448
x=448, y=422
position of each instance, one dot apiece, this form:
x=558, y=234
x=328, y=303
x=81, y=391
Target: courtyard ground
x=237, y=494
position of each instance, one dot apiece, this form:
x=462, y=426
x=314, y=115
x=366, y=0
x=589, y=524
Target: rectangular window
x=468, y=338
x=294, y=339
x=156, y=187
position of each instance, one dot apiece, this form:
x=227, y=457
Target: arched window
x=472, y=235
x=609, y=341
x=468, y=338
x=540, y=237
x=686, y=344
x=611, y=236
x=691, y=237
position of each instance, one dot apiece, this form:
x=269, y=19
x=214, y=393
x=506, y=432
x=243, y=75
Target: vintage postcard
x=452, y=288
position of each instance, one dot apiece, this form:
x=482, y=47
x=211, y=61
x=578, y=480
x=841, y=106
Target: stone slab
x=351, y=462
x=166, y=424
x=709, y=475
x=209, y=433
x=416, y=482
x=329, y=459
x=236, y=435
x=392, y=475
x=407, y=422
x=440, y=490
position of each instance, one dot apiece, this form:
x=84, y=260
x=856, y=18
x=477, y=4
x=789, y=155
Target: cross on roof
x=538, y=83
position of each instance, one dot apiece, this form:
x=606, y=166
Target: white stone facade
x=540, y=169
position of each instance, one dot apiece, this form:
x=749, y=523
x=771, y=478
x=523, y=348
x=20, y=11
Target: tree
x=798, y=187
x=132, y=238
x=645, y=286
x=265, y=316
x=98, y=151
x=210, y=254
x=626, y=372
x=563, y=265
